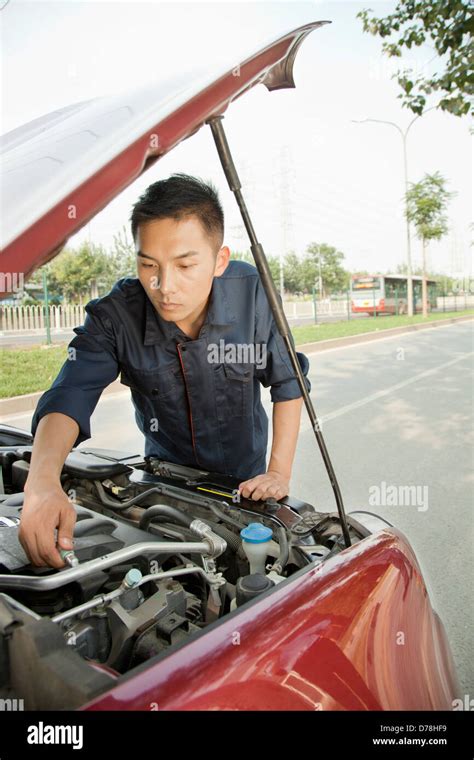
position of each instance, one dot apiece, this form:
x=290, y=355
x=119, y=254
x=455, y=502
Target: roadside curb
x=351, y=340
x=27, y=403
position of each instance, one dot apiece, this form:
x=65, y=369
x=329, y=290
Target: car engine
x=160, y=552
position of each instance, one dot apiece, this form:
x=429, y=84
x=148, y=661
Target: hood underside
x=61, y=169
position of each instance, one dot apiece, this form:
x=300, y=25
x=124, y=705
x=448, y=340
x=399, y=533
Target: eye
x=187, y=266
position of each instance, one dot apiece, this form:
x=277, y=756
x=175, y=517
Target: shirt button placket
x=181, y=349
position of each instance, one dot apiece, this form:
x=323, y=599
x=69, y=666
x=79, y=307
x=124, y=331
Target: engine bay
x=161, y=551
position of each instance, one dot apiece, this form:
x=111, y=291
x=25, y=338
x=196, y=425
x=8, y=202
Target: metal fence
x=32, y=318
x=340, y=306
x=24, y=319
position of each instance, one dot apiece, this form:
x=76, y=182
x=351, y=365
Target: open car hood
x=61, y=169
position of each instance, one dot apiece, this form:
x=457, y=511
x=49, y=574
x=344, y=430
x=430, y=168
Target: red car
x=184, y=598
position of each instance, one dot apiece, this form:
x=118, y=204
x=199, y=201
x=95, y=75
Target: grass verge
x=325, y=331
x=26, y=370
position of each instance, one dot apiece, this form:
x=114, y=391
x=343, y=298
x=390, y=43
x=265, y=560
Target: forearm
x=54, y=439
x=286, y=425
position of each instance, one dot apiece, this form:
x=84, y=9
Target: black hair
x=177, y=197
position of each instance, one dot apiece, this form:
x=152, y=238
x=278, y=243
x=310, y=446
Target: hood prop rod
x=235, y=186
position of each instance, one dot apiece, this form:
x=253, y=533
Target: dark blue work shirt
x=194, y=407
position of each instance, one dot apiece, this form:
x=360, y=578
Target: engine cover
x=94, y=536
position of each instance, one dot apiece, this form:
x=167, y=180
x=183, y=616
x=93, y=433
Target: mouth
x=168, y=306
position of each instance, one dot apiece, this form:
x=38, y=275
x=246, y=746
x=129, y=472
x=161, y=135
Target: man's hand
x=270, y=484
x=45, y=508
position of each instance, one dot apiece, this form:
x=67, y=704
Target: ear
x=222, y=261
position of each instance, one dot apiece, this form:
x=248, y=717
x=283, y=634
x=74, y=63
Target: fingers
x=47, y=548
x=273, y=491
x=30, y=546
x=37, y=533
x=67, y=521
x=247, y=487
x=258, y=492
x=262, y=487
x=266, y=492
x=39, y=546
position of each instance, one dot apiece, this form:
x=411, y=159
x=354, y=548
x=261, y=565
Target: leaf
x=449, y=25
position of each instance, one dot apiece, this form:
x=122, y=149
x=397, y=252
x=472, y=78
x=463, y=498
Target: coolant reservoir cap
x=256, y=533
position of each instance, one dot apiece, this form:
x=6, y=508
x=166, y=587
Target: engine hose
x=166, y=529
x=167, y=492
x=224, y=517
x=191, y=499
x=230, y=538
x=164, y=513
x=284, y=550
x=119, y=506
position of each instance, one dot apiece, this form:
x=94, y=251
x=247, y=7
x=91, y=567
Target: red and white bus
x=387, y=294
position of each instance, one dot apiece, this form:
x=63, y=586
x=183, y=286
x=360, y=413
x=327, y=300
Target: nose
x=166, y=282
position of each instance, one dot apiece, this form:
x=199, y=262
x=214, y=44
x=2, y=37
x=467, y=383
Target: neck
x=193, y=323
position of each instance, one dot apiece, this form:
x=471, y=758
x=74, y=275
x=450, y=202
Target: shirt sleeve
x=90, y=367
x=278, y=371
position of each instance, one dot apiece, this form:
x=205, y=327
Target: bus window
x=398, y=288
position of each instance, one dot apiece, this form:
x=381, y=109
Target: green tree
x=81, y=273
x=293, y=273
x=325, y=261
x=242, y=256
x=273, y=264
x=449, y=25
x=426, y=203
x=122, y=257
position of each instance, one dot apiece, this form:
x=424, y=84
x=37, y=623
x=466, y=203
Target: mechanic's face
x=176, y=264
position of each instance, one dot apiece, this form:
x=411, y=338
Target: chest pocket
x=155, y=384
x=234, y=389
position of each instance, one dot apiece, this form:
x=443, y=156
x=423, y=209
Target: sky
x=309, y=173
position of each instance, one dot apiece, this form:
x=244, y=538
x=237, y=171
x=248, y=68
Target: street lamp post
x=404, y=135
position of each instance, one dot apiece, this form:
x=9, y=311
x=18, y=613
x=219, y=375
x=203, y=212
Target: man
x=193, y=337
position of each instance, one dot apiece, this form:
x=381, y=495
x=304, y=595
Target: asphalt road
x=396, y=411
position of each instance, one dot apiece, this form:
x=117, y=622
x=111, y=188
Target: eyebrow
x=181, y=255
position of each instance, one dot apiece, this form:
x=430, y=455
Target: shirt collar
x=219, y=312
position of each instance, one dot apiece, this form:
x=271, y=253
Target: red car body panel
x=355, y=633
